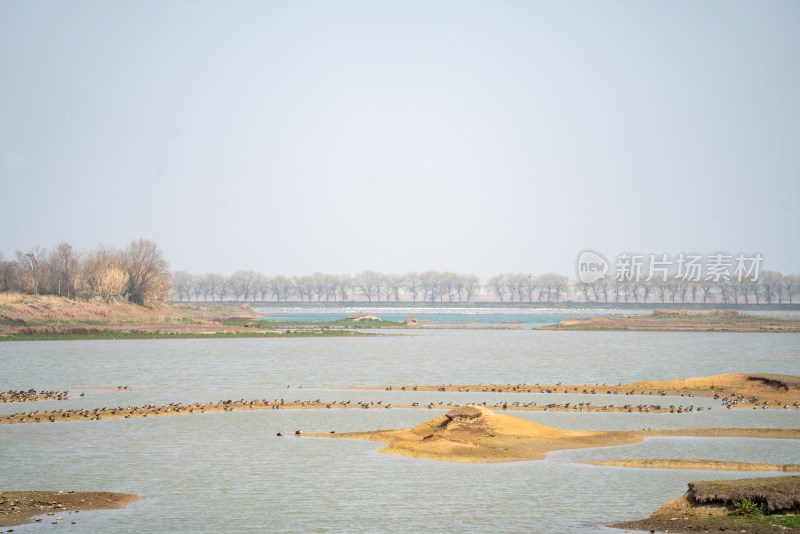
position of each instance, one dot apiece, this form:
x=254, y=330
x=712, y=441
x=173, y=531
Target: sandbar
x=476, y=434
x=734, y=390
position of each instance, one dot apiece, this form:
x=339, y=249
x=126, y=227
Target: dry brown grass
x=773, y=495
x=685, y=313
x=10, y=298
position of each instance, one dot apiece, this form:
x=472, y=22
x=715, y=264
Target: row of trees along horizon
x=433, y=286
x=140, y=274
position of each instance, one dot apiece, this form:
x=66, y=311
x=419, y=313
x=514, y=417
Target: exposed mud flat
x=17, y=507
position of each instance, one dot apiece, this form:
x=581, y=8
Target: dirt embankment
x=17, y=507
x=682, y=321
x=708, y=506
x=476, y=434
x=736, y=390
x=48, y=315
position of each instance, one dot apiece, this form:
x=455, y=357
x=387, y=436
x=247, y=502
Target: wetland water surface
x=229, y=472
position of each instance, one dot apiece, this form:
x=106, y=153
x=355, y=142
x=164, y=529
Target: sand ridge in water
x=734, y=390
x=476, y=434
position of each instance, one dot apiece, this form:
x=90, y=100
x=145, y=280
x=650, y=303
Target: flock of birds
x=728, y=401
x=31, y=395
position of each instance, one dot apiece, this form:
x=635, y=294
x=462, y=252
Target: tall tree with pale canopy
x=148, y=273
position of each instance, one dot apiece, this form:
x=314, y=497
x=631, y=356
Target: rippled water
x=228, y=472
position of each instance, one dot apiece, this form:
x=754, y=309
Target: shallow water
x=229, y=472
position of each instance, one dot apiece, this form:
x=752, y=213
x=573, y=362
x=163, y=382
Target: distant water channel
x=443, y=316
x=229, y=472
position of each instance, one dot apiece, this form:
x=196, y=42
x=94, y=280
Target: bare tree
x=318, y=285
x=149, y=279
x=102, y=274
x=555, y=285
x=620, y=289
x=211, y=284
x=280, y=287
x=394, y=284
x=244, y=284
x=182, y=284
x=344, y=285
x=262, y=286
x=449, y=283
x=7, y=273
x=367, y=283
x=645, y=288
x=65, y=266
x=412, y=283
x=499, y=286
x=769, y=284
x=727, y=291
x=198, y=287
x=661, y=289
x=221, y=287
x=431, y=285
x=791, y=284
x=600, y=289
x=471, y=284
x=328, y=286
x=516, y=285
x=31, y=264
x=303, y=287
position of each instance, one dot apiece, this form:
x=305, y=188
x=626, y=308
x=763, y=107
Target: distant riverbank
x=683, y=320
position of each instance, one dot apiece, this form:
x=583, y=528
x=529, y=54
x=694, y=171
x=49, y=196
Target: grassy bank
x=36, y=318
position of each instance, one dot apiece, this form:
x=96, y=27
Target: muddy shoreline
x=18, y=507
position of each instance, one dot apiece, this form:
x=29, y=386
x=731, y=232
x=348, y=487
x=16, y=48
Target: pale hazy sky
x=483, y=137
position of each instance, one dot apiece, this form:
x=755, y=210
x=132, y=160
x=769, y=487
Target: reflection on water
x=229, y=472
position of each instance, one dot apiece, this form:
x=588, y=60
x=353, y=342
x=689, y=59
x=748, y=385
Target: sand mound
x=480, y=421
x=477, y=434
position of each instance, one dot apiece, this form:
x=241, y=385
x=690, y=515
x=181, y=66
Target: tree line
x=136, y=274
x=769, y=287
x=433, y=286
x=430, y=286
x=140, y=274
